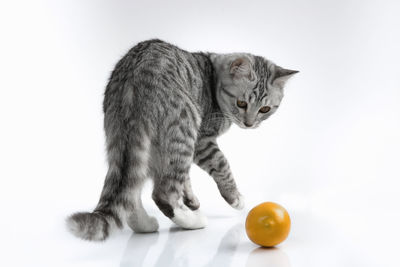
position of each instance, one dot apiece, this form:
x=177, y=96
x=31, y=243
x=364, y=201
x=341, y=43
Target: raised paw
x=238, y=202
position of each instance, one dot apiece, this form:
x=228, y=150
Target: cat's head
x=249, y=88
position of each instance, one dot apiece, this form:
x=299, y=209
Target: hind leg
x=168, y=196
x=171, y=184
x=137, y=218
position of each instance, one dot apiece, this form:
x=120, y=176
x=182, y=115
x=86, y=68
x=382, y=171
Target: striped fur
x=163, y=108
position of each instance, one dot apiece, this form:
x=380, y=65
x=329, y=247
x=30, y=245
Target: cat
x=163, y=109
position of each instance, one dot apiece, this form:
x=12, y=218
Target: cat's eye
x=265, y=109
x=241, y=104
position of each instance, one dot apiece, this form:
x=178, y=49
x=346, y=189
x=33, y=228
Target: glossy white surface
x=330, y=154
x=354, y=239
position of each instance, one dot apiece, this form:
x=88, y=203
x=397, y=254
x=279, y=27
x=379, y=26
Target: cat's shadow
x=176, y=250
x=177, y=247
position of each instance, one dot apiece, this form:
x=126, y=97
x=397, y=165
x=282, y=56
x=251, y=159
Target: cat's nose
x=248, y=124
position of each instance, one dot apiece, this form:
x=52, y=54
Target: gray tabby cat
x=163, y=108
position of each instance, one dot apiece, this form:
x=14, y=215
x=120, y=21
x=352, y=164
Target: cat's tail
x=94, y=226
x=108, y=214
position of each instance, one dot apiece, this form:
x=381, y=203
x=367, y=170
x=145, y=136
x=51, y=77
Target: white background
x=330, y=155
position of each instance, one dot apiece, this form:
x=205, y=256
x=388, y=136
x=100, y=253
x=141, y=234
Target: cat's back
x=157, y=57
x=154, y=65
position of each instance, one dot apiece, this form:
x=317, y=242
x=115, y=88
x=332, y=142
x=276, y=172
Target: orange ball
x=268, y=224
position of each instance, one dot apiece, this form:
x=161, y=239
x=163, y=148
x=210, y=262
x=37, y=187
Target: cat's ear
x=242, y=68
x=281, y=76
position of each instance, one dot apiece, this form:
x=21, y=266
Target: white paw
x=238, y=203
x=143, y=225
x=152, y=225
x=189, y=219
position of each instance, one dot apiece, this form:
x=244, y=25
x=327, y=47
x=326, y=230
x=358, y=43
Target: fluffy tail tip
x=88, y=226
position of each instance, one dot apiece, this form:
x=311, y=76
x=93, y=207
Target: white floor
x=39, y=239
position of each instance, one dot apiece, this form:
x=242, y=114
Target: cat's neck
x=214, y=123
x=208, y=100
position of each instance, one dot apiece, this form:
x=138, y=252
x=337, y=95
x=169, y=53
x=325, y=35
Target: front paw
x=238, y=202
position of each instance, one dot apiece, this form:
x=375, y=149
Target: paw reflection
x=227, y=247
x=183, y=248
x=137, y=248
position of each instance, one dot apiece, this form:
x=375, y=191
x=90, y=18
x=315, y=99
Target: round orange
x=268, y=224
